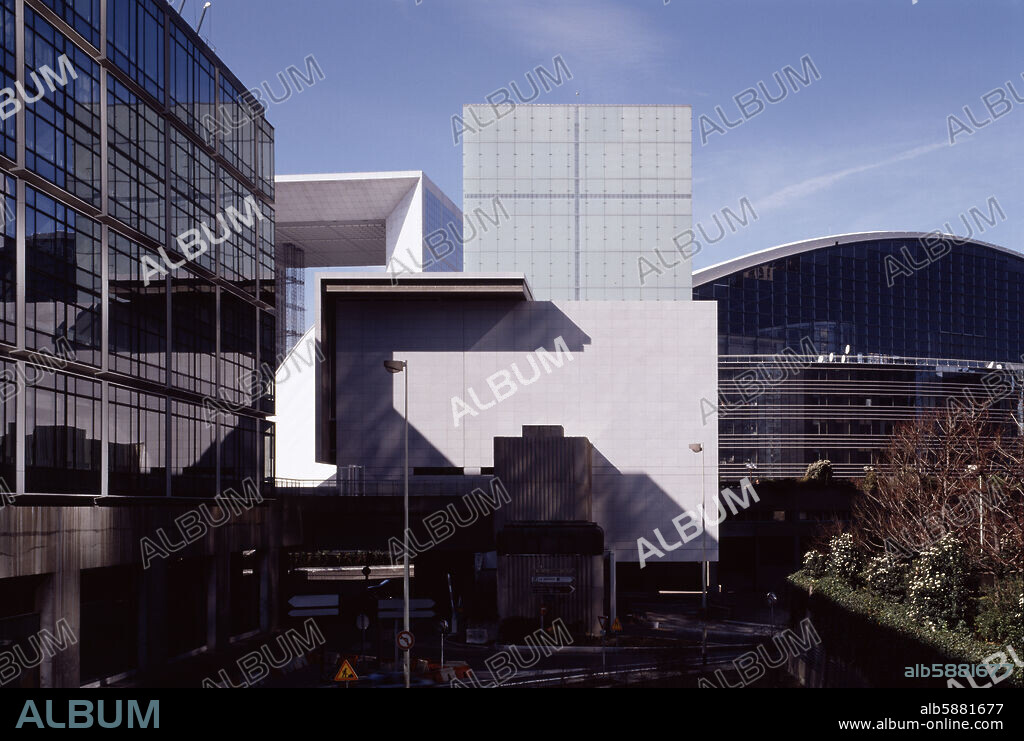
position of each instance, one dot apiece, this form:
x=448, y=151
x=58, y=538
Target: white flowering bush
x=937, y=586
x=843, y=559
x=814, y=563
x=887, y=576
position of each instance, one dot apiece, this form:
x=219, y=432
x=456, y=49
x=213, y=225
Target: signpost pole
x=405, y=578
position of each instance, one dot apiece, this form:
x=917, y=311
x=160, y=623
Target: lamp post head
x=394, y=366
x=696, y=447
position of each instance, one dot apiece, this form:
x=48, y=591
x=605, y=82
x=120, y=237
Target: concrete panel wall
x=630, y=379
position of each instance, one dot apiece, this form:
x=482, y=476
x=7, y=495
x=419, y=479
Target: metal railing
x=872, y=359
x=458, y=486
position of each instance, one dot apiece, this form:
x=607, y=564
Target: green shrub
x=843, y=559
x=814, y=563
x=887, y=575
x=958, y=648
x=1000, y=615
x=937, y=587
x=820, y=471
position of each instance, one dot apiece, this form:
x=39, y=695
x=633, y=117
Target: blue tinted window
x=81, y=15
x=442, y=235
x=953, y=300
x=193, y=91
x=62, y=139
x=63, y=276
x=62, y=434
x=135, y=42
x=137, y=312
x=135, y=161
x=8, y=74
x=8, y=245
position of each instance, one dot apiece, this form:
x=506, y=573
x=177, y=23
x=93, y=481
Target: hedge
x=880, y=638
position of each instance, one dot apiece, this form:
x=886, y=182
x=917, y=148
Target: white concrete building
x=588, y=189
x=369, y=219
x=549, y=325
x=485, y=359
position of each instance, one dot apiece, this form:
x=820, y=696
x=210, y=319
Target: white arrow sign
x=554, y=580
x=314, y=600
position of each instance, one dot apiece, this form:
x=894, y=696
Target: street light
x=202, y=17
x=398, y=366
x=699, y=448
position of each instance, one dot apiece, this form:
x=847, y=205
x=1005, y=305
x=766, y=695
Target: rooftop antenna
x=203, y=16
x=181, y=7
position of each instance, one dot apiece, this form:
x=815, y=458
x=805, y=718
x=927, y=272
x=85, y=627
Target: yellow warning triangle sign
x=617, y=626
x=346, y=673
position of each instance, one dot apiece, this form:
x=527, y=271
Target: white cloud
x=800, y=191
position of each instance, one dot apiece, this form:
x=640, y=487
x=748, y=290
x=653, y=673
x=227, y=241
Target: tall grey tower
x=588, y=189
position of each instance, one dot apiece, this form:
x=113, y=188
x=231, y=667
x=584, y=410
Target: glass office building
x=107, y=361
x=588, y=189
x=826, y=345
x=127, y=356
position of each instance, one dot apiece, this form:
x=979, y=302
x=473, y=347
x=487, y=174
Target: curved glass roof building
x=826, y=344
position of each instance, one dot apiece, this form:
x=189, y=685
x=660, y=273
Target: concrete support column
x=58, y=599
x=151, y=586
x=757, y=559
x=270, y=570
x=218, y=595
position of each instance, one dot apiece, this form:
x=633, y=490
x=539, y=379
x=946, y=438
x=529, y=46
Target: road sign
x=346, y=673
x=398, y=604
x=405, y=640
x=314, y=600
x=552, y=584
x=617, y=626
x=362, y=622
x=319, y=612
x=313, y=605
x=603, y=620
x=399, y=614
x=553, y=580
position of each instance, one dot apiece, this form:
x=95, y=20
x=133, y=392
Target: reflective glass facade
x=62, y=129
x=589, y=189
x=924, y=320
x=8, y=74
x=110, y=359
x=442, y=232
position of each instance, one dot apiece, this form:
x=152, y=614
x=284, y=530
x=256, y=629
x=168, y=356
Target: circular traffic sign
x=405, y=640
x=362, y=622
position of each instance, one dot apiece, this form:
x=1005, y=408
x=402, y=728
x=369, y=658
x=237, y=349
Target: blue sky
x=865, y=147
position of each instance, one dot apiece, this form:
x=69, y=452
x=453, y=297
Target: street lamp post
x=400, y=366
x=699, y=448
